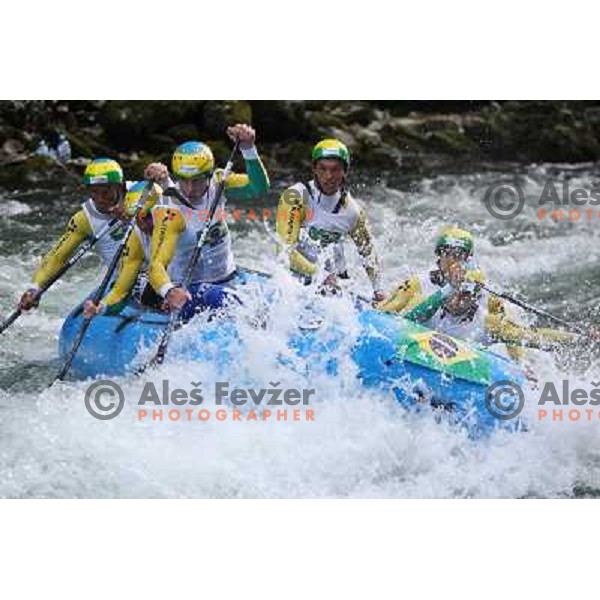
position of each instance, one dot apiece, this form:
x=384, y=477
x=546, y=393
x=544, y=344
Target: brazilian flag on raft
x=444, y=353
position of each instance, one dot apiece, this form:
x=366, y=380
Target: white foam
x=11, y=208
x=362, y=443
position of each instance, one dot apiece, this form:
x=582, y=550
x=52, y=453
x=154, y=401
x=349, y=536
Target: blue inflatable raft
x=421, y=367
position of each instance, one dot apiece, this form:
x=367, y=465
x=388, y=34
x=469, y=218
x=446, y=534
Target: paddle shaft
x=11, y=319
x=81, y=251
x=173, y=192
x=159, y=357
x=533, y=309
x=99, y=294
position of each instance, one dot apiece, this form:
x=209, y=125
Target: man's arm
x=363, y=239
x=402, y=297
x=77, y=231
x=291, y=213
x=129, y=268
x=502, y=329
x=254, y=183
x=168, y=226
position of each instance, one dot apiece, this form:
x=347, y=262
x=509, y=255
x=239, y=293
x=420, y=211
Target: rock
x=294, y=156
x=322, y=123
x=157, y=143
x=592, y=116
x=12, y=147
x=134, y=164
x=220, y=115
x=36, y=170
x=422, y=136
x=184, y=133
x=87, y=143
x=366, y=139
x=345, y=136
x=541, y=132
x=128, y=124
x=404, y=107
x=282, y=120
x=475, y=128
x=404, y=133
x=361, y=113
x=384, y=158
x=221, y=150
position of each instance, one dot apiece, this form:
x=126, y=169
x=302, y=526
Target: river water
x=361, y=444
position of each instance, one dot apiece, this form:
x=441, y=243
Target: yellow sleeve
x=554, y=336
x=361, y=235
x=516, y=353
x=405, y=295
x=300, y=264
x=476, y=275
x=496, y=306
x=169, y=223
x=129, y=268
x=498, y=326
x=78, y=230
x=502, y=329
x=291, y=214
x=496, y=314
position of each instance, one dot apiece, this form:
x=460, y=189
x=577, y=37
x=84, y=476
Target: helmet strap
x=208, y=182
x=121, y=193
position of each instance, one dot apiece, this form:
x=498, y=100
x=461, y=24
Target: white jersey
x=216, y=261
x=329, y=220
x=455, y=326
x=106, y=246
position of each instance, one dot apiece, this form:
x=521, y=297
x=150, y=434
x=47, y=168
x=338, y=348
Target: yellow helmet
x=454, y=237
x=102, y=171
x=192, y=159
x=133, y=197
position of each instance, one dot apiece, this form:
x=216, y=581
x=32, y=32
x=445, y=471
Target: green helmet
x=331, y=148
x=454, y=237
x=103, y=171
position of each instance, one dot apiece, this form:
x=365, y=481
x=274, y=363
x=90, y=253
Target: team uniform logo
x=117, y=233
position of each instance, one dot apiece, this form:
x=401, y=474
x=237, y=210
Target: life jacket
x=470, y=326
x=106, y=246
x=216, y=262
x=329, y=220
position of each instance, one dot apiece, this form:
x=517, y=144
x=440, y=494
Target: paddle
x=534, y=310
x=159, y=357
x=81, y=251
x=99, y=294
x=173, y=192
